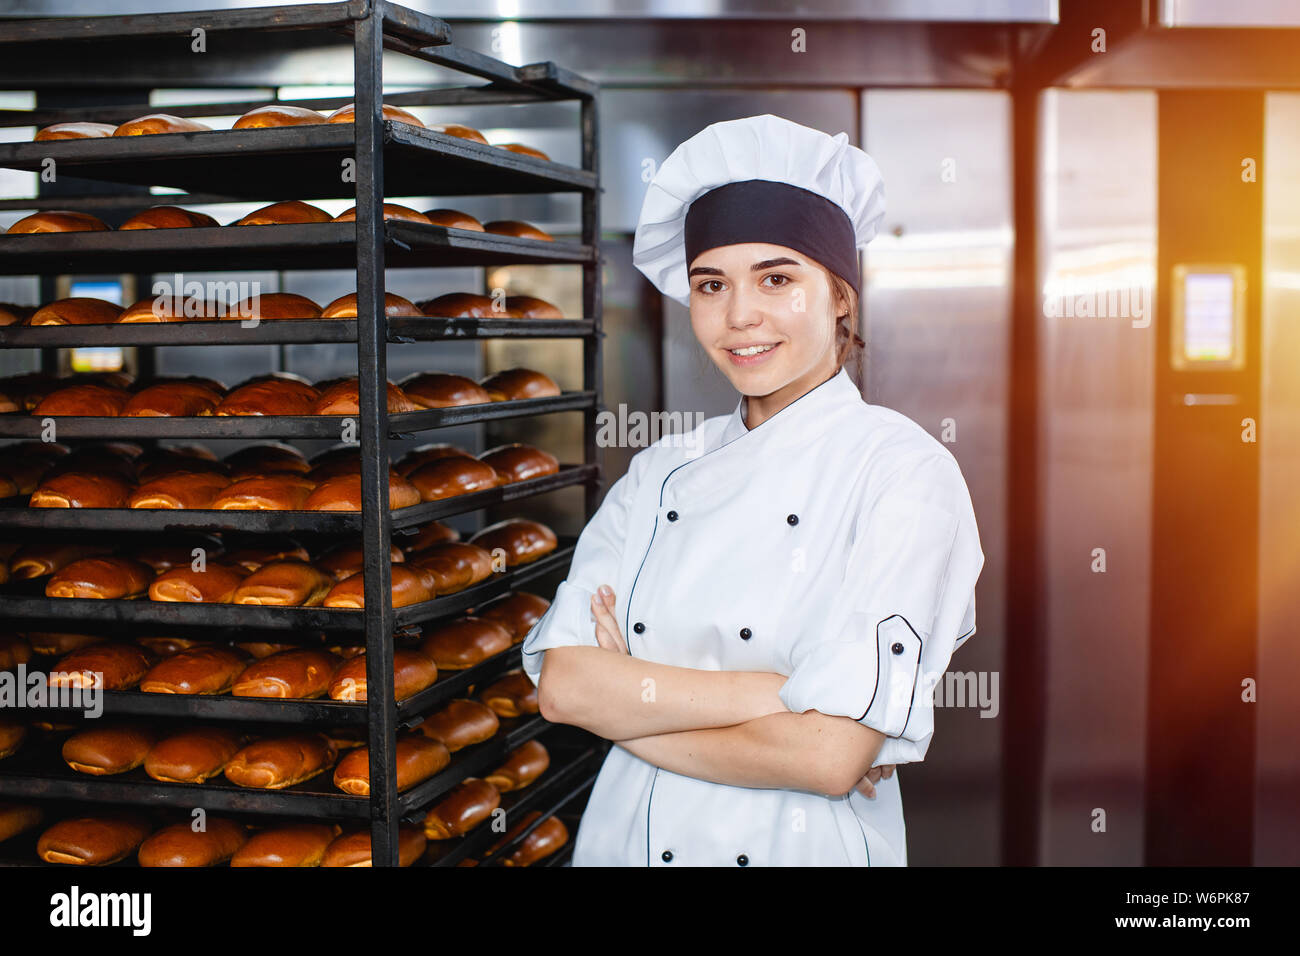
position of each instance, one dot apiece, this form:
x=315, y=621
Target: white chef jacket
x=835, y=543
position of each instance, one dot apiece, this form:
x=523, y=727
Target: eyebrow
x=756, y=267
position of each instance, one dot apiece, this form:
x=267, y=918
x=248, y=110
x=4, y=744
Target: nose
x=744, y=309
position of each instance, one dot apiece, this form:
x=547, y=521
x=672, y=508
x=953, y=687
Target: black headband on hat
x=760, y=210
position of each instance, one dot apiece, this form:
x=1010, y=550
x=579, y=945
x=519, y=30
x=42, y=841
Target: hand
x=608, y=634
x=874, y=775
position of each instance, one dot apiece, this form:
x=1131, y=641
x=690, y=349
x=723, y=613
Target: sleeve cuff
x=566, y=623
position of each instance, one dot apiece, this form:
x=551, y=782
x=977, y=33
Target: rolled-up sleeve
x=906, y=602
x=596, y=558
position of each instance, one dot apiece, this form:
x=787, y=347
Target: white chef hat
x=758, y=179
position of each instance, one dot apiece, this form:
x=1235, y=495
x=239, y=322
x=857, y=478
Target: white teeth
x=752, y=350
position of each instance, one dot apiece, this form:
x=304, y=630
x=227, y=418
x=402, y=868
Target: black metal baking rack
x=392, y=160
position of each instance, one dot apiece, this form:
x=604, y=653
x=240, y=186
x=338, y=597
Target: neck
x=759, y=408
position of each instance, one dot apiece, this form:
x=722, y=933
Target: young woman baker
x=758, y=612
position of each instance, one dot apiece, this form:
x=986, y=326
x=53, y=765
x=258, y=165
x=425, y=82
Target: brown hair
x=848, y=344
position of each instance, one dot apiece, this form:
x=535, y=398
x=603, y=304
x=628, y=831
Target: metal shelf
x=280, y=522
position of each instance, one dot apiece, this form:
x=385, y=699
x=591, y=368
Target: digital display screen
x=98, y=359
x=1209, y=316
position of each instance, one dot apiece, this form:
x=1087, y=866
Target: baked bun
x=173, y=309
x=418, y=758
x=167, y=646
x=346, y=560
x=443, y=390
x=353, y=849
x=108, y=666
x=278, y=114
x=216, y=584
x=173, y=551
x=74, y=131
x=257, y=461
x=395, y=114
x=266, y=550
x=179, y=490
x=180, y=845
x=345, y=307
x=57, y=644
x=168, y=217
x=517, y=612
x=426, y=536
x=465, y=806
x=77, y=310
x=271, y=396
x=551, y=834
x=455, y=565
x=412, y=673
x=179, y=459
x=301, y=674
x=391, y=211
x=13, y=651
x=160, y=123
x=522, y=150
x=459, y=131
x=172, y=399
x=12, y=734
x=198, y=670
x=460, y=724
x=523, y=541
x=461, y=305
x=517, y=228
x=531, y=307
x=275, y=306
x=285, y=584
x=427, y=453
x=279, y=762
x=192, y=756
x=284, y=213
x=409, y=585
x=524, y=764
x=17, y=817
x=453, y=219
x=56, y=220
x=93, y=841
x=513, y=694
x=75, y=489
x=342, y=398
x=448, y=477
x=519, y=462
x=91, y=400
x=14, y=314
x=115, y=748
x=283, y=492
x=464, y=643
x=300, y=844
x=513, y=384
x=343, y=493
x=109, y=578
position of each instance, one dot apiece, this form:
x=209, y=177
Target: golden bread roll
x=517, y=612
x=427, y=535
x=346, y=560
x=115, y=748
x=519, y=462
x=459, y=131
x=449, y=477
x=273, y=306
x=40, y=558
x=465, y=806
x=531, y=307
x=178, y=552
x=284, y=213
x=550, y=835
x=96, y=459
x=17, y=817
x=12, y=314
x=418, y=758
x=455, y=565
x=155, y=123
x=13, y=651
x=107, y=665
x=54, y=644
x=278, y=114
x=172, y=309
x=343, y=493
x=453, y=219
x=443, y=390
x=198, y=670
x=12, y=734
x=300, y=844
x=513, y=694
x=285, y=584
x=93, y=841
x=110, y=578
x=180, y=845
x=259, y=649
x=462, y=723
x=167, y=646
x=522, y=766
x=75, y=489
x=408, y=586
x=94, y=400
x=345, y=307
x=279, y=762
x=461, y=305
x=185, y=399
x=303, y=673
x=513, y=384
x=427, y=453
x=465, y=642
x=347, y=114
x=178, y=459
x=267, y=550
x=412, y=673
x=391, y=211
x=353, y=849
x=192, y=756
x=523, y=541
x=56, y=220
x=78, y=130
x=335, y=467
x=342, y=398
x=284, y=492
x=254, y=461
x=77, y=310
x=168, y=217
x=517, y=228
x=522, y=150
x=179, y=491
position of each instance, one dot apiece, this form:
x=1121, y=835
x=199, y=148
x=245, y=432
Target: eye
x=778, y=279
x=709, y=286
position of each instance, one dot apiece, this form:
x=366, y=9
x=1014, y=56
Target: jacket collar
x=808, y=408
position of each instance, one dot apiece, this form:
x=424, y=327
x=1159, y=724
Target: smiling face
x=766, y=315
